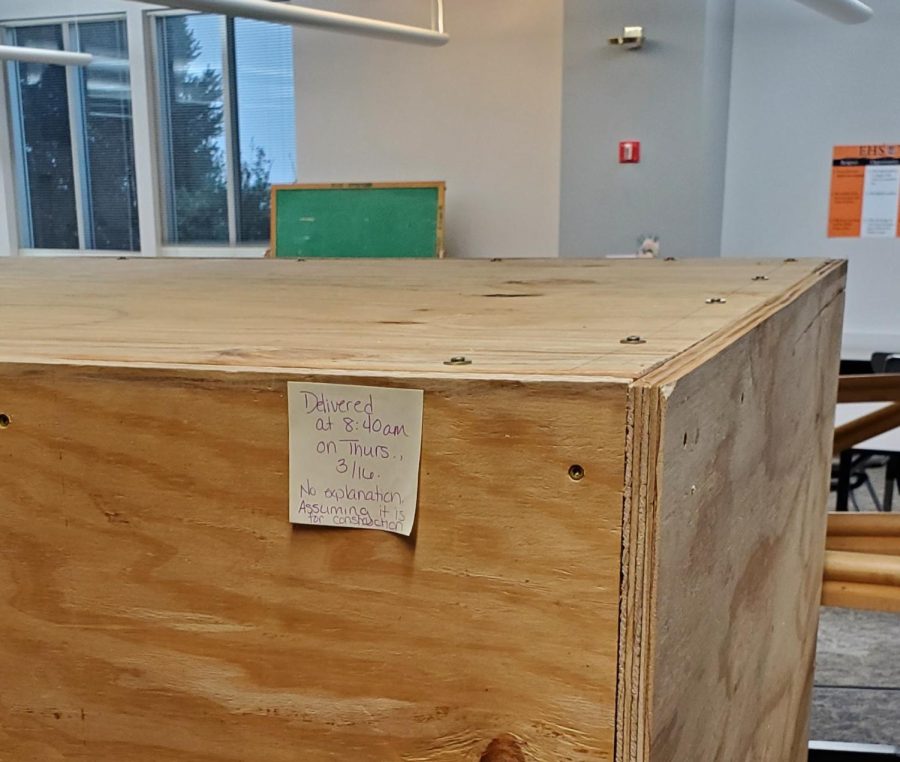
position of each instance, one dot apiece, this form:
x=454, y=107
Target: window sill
x=183, y=252
x=216, y=252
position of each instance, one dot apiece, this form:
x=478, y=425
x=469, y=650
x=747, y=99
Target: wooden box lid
x=561, y=318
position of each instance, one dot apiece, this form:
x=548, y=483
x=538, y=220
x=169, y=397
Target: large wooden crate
x=156, y=603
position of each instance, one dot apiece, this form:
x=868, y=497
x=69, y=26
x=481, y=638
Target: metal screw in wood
x=633, y=340
x=458, y=361
x=716, y=300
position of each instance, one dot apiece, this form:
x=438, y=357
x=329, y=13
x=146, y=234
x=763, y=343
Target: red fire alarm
x=630, y=152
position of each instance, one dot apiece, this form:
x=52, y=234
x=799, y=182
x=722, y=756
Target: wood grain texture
x=156, y=604
x=559, y=318
x=724, y=618
x=656, y=610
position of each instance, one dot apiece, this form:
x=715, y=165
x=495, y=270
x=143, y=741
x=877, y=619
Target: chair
x=851, y=472
x=862, y=559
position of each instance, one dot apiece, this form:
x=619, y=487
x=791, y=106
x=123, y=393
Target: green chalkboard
x=358, y=220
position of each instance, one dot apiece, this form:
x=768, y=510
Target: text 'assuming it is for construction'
x=354, y=455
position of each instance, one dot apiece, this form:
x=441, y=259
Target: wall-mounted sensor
x=632, y=38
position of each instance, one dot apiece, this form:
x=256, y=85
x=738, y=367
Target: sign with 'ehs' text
x=354, y=456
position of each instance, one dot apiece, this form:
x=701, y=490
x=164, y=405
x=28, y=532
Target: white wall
x=802, y=84
x=482, y=113
x=672, y=96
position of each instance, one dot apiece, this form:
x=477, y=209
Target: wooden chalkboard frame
x=440, y=185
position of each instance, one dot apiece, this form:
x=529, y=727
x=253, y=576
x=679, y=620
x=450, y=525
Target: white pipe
x=845, y=11
x=437, y=16
x=283, y=13
x=44, y=55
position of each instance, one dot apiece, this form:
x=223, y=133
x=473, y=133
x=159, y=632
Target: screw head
x=576, y=472
x=716, y=300
x=460, y=360
x=760, y=277
x=633, y=340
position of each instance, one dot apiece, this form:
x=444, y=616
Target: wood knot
x=505, y=748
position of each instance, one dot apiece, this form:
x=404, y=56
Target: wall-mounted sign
x=865, y=192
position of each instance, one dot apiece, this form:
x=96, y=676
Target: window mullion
x=17, y=138
x=78, y=137
x=165, y=126
x=229, y=119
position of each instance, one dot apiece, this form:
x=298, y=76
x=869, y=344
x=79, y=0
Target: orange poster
x=865, y=192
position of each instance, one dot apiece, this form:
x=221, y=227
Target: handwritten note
x=354, y=456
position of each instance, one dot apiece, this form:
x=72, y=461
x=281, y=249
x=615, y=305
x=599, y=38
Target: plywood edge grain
x=638, y=572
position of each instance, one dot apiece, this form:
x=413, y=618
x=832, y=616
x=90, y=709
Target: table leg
x=843, y=485
x=891, y=476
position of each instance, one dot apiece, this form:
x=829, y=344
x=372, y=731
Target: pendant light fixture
x=285, y=13
x=44, y=55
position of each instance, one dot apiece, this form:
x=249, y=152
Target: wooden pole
x=873, y=387
x=863, y=525
x=866, y=427
x=855, y=595
x=867, y=568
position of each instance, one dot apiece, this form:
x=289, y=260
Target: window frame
x=21, y=206
x=231, y=139
x=140, y=21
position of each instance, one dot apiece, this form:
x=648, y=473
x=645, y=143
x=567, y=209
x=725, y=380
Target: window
x=73, y=140
x=226, y=114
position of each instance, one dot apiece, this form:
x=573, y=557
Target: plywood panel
x=735, y=516
x=655, y=610
x=535, y=318
x=156, y=604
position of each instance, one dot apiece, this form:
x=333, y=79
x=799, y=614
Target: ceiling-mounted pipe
x=44, y=55
x=284, y=13
x=845, y=11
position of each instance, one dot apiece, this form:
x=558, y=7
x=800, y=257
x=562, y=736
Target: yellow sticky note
x=354, y=455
